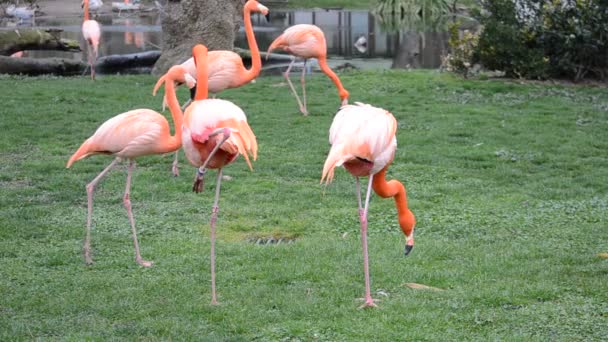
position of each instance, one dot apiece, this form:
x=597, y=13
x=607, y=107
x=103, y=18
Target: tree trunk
x=19, y=40
x=189, y=22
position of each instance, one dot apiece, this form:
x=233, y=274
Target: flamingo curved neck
x=202, y=85
x=256, y=60
x=86, y=10
x=396, y=190
x=332, y=75
x=174, y=141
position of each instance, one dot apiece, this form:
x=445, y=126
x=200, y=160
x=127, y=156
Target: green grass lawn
x=509, y=183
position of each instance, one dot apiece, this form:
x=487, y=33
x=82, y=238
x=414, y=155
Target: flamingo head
x=344, y=96
x=255, y=6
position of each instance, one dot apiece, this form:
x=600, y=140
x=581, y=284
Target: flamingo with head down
x=307, y=41
x=362, y=139
x=91, y=31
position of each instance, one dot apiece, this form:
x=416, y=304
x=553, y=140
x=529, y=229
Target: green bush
x=462, y=48
x=544, y=39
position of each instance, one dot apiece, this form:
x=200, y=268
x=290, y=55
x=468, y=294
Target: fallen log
x=141, y=62
x=19, y=40
x=118, y=63
x=135, y=62
x=40, y=66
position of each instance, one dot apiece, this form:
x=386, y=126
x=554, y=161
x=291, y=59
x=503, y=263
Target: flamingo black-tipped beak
x=193, y=92
x=267, y=16
x=408, y=249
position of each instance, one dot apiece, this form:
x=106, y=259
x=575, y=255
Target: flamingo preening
x=225, y=68
x=215, y=132
x=362, y=139
x=307, y=41
x=130, y=135
x=91, y=32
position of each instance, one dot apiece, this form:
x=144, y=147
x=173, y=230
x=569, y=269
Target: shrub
x=542, y=39
x=460, y=59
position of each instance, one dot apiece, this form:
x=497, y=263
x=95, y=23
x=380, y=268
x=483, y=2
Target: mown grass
x=507, y=180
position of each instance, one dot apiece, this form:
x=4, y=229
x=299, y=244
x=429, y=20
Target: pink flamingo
x=226, y=69
x=307, y=41
x=91, y=32
x=215, y=132
x=130, y=135
x=362, y=139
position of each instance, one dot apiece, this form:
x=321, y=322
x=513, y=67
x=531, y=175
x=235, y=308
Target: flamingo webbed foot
x=408, y=249
x=368, y=303
x=87, y=257
x=199, y=181
x=144, y=263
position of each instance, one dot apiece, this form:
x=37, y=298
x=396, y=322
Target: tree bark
x=18, y=40
x=189, y=22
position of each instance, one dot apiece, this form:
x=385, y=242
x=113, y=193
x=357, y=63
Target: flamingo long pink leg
x=197, y=185
x=174, y=168
x=90, y=190
x=127, y=203
x=368, y=300
x=91, y=59
x=214, y=212
x=303, y=82
x=286, y=75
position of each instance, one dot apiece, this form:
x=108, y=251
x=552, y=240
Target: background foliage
x=545, y=39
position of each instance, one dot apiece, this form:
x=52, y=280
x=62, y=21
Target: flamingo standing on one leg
x=307, y=41
x=226, y=69
x=91, y=32
x=363, y=141
x=130, y=135
x=215, y=132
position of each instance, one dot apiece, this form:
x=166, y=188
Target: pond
x=353, y=36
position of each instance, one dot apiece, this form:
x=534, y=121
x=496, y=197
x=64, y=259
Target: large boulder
x=189, y=22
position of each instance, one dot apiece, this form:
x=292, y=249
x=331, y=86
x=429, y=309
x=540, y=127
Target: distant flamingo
x=91, y=33
x=130, y=135
x=94, y=5
x=363, y=141
x=307, y=41
x=215, y=132
x=18, y=54
x=226, y=69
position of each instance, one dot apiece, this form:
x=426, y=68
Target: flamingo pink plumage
x=225, y=68
x=362, y=139
x=307, y=41
x=130, y=135
x=91, y=32
x=215, y=132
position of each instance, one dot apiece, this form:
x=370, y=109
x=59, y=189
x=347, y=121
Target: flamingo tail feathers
x=336, y=158
x=246, y=143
